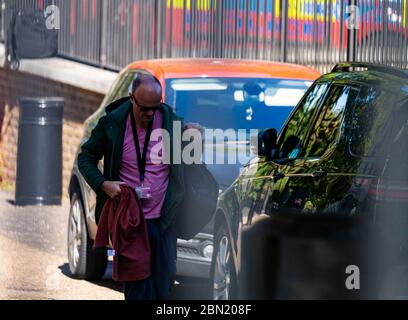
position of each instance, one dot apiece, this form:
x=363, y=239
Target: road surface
x=34, y=262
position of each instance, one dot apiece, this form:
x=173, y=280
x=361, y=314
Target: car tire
x=223, y=277
x=84, y=261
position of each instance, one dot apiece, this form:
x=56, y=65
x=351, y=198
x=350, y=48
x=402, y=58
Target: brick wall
x=79, y=104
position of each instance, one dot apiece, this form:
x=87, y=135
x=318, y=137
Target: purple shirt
x=156, y=175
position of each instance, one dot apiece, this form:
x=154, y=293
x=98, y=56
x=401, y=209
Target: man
x=159, y=184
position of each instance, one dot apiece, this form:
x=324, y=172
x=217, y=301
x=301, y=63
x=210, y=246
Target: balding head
x=146, y=93
x=147, y=80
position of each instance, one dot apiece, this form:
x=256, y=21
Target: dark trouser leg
x=164, y=272
x=139, y=290
x=163, y=249
x=145, y=289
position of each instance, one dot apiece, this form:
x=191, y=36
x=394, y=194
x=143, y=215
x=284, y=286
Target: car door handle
x=277, y=176
x=319, y=173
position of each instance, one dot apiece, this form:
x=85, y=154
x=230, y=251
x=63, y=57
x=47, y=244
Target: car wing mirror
x=264, y=145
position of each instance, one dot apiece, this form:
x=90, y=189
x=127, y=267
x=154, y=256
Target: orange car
x=218, y=94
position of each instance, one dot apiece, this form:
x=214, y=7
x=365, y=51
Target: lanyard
x=141, y=158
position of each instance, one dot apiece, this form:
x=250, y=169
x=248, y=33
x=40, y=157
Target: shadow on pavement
x=185, y=288
x=106, y=281
x=191, y=289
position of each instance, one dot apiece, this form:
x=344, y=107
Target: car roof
x=367, y=73
x=227, y=68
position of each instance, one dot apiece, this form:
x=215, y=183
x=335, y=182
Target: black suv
x=342, y=153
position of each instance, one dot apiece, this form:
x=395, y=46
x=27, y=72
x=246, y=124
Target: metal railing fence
x=318, y=33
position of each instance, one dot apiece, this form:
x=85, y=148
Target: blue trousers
x=163, y=249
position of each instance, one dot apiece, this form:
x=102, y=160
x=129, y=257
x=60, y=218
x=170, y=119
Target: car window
x=125, y=87
x=384, y=137
x=111, y=96
x=112, y=92
x=295, y=132
x=365, y=122
x=235, y=103
x=327, y=126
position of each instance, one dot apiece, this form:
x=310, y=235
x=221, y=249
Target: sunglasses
x=145, y=108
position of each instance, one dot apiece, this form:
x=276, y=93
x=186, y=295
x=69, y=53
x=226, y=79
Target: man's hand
x=112, y=188
x=197, y=130
x=193, y=125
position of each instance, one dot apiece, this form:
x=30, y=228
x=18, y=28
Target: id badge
x=143, y=192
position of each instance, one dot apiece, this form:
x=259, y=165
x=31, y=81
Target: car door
x=258, y=191
x=264, y=190
x=316, y=180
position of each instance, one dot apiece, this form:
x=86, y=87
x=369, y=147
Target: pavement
x=34, y=262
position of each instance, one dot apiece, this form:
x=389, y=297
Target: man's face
x=145, y=99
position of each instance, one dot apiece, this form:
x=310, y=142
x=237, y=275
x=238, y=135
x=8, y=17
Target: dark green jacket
x=106, y=141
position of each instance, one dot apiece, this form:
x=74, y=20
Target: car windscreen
x=235, y=103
